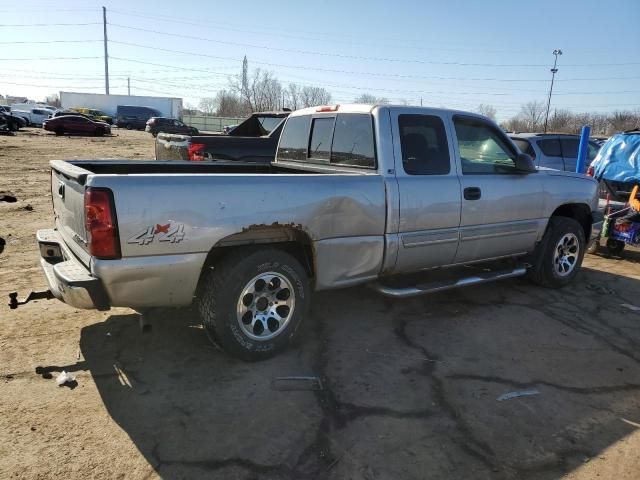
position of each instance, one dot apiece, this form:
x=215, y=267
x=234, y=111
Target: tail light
x=101, y=223
x=196, y=152
x=590, y=171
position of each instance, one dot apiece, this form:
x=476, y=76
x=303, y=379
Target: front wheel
x=559, y=255
x=253, y=302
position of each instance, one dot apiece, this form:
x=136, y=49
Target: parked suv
x=553, y=150
x=156, y=125
x=132, y=116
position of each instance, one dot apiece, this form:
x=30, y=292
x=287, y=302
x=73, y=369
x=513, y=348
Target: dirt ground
x=409, y=388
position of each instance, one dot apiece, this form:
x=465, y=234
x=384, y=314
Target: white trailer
x=167, y=106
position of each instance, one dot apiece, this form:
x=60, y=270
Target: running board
x=438, y=286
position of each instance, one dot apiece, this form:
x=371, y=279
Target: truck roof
x=368, y=108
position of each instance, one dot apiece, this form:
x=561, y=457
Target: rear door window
x=353, y=140
x=550, y=147
x=321, y=137
x=569, y=147
x=294, y=139
x=423, y=141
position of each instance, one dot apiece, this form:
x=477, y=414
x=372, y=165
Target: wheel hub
x=265, y=306
x=566, y=254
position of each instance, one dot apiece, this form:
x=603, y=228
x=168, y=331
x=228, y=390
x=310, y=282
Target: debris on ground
x=601, y=289
x=521, y=393
x=297, y=383
x=633, y=308
x=64, y=377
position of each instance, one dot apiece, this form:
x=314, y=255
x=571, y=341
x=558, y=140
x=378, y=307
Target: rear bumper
x=69, y=280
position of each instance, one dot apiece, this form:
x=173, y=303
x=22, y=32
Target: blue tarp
x=619, y=159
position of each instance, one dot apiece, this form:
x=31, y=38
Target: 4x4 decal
x=173, y=233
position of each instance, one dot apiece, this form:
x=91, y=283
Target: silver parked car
x=554, y=150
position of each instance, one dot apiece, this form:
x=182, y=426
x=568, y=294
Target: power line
x=49, y=41
x=47, y=58
x=340, y=55
x=48, y=24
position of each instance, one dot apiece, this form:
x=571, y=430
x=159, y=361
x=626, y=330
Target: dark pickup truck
x=253, y=141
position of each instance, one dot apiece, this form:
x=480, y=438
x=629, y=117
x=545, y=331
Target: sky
x=453, y=53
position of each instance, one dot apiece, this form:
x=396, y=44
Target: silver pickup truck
x=357, y=194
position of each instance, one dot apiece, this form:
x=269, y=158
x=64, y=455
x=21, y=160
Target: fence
x=209, y=124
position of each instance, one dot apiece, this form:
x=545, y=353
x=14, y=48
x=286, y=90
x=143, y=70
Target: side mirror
x=524, y=163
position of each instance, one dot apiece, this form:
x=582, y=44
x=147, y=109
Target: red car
x=76, y=124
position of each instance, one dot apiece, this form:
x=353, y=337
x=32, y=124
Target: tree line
x=260, y=90
x=531, y=118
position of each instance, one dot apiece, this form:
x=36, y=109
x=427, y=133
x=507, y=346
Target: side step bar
x=438, y=286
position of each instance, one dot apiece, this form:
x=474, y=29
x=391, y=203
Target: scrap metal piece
x=522, y=393
x=33, y=295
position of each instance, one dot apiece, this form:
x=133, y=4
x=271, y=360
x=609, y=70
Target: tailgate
x=67, y=191
x=172, y=147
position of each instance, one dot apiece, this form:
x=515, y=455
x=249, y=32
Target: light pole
x=556, y=52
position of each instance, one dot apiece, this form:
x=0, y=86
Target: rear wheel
x=128, y=126
x=253, y=302
x=559, y=254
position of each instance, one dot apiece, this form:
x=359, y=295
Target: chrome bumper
x=68, y=279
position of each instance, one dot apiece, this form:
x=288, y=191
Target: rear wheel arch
x=290, y=239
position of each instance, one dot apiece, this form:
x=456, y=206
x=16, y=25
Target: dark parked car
x=14, y=123
x=253, y=141
x=156, y=125
x=131, y=116
x=76, y=124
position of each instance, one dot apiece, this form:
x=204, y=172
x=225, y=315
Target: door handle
x=472, y=193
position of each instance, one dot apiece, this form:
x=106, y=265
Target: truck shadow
x=407, y=386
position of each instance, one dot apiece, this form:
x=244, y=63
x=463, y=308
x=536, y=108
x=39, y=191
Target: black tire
x=59, y=132
x=223, y=290
x=128, y=126
x=99, y=132
x=545, y=270
x=594, y=247
x=614, y=247
x=13, y=126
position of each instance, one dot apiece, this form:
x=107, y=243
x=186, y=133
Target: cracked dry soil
x=409, y=387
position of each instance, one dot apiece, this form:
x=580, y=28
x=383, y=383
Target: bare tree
x=625, y=120
x=532, y=113
x=312, y=96
x=228, y=104
x=292, y=96
x=53, y=100
x=208, y=105
x=487, y=111
x=371, y=99
x=560, y=121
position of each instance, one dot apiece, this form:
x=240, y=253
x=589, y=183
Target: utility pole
x=553, y=75
x=420, y=101
x=106, y=53
x=128, y=85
